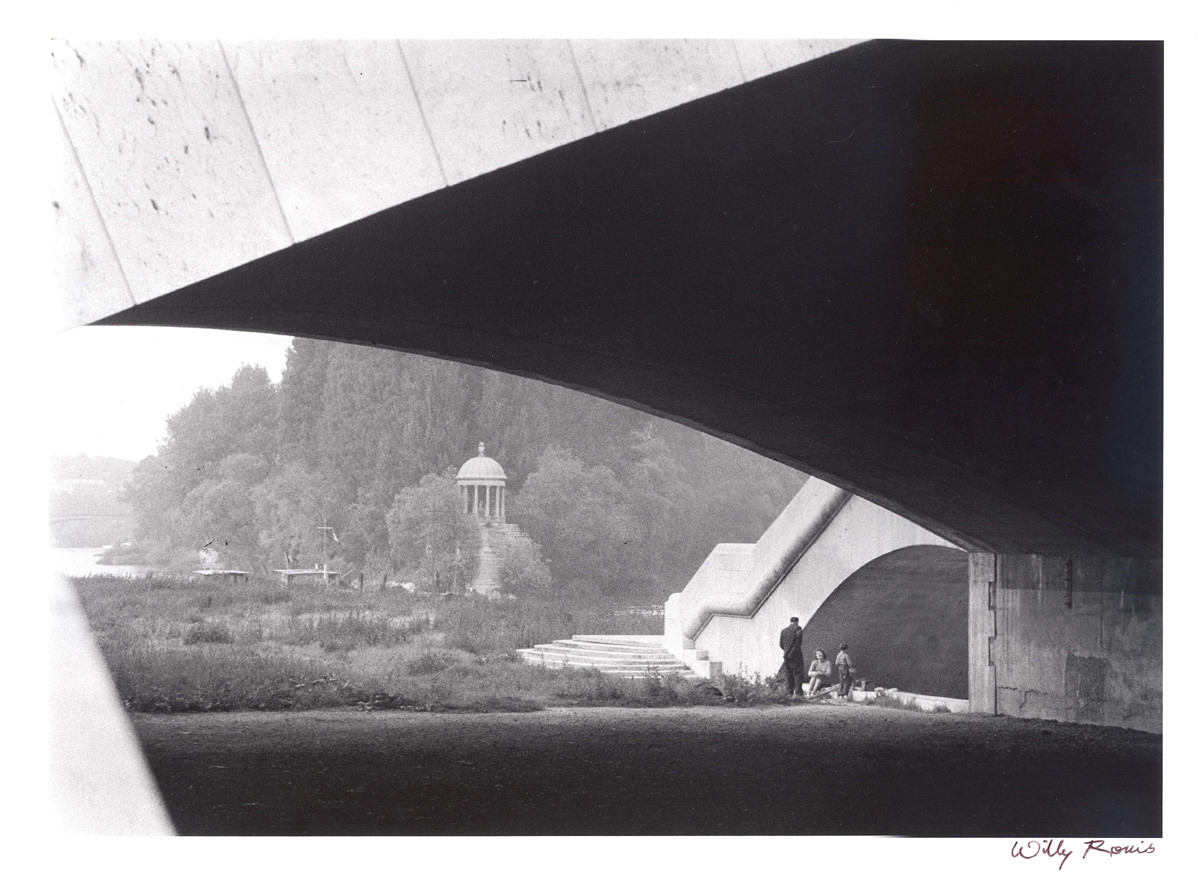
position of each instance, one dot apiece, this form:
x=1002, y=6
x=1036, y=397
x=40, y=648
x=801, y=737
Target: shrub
x=742, y=690
x=207, y=633
x=353, y=630
x=430, y=662
x=221, y=679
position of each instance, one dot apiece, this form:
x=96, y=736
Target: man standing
x=790, y=640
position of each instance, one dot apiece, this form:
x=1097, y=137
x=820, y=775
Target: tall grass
x=208, y=645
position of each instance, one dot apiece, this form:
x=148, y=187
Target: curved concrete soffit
x=767, y=575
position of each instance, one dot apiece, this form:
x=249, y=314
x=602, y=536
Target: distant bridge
x=58, y=519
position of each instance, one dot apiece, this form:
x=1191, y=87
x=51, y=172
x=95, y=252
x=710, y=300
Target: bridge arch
x=735, y=605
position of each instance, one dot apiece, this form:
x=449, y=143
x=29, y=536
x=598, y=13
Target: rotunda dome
x=481, y=468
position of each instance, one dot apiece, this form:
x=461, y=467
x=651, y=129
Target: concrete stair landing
x=634, y=656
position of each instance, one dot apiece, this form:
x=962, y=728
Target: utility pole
x=325, y=528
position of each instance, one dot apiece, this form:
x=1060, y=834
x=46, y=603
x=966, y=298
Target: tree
x=522, y=570
x=582, y=517
x=301, y=392
x=666, y=505
x=288, y=508
x=218, y=515
x=428, y=530
x=239, y=418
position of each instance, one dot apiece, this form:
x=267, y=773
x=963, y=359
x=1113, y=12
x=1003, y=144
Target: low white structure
x=729, y=616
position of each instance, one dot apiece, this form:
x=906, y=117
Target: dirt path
x=807, y=769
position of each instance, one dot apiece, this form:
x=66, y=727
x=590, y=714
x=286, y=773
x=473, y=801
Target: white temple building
x=481, y=483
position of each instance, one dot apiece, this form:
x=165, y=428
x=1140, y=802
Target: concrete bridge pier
x=1075, y=637
x=1071, y=638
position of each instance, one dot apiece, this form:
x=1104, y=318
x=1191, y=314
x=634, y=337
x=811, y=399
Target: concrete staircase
x=494, y=537
x=633, y=656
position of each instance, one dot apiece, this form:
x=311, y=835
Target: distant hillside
x=111, y=470
x=87, y=507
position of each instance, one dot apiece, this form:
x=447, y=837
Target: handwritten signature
x=1047, y=848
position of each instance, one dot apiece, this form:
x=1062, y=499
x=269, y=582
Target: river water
x=80, y=562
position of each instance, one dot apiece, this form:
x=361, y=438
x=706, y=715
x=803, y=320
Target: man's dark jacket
x=790, y=640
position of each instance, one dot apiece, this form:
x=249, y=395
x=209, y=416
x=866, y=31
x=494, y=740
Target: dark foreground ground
x=807, y=769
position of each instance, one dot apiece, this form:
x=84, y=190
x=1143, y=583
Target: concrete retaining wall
x=1074, y=639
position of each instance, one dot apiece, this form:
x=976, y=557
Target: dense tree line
x=367, y=441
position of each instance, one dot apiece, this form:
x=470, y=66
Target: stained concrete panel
x=87, y=275
x=630, y=79
x=162, y=137
x=761, y=57
x=339, y=127
x=1098, y=660
x=489, y=103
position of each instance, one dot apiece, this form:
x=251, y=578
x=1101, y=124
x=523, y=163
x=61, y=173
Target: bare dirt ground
x=832, y=769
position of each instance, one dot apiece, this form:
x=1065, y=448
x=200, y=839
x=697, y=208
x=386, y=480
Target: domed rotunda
x=481, y=483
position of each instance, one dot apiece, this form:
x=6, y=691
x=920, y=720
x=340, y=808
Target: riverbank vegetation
x=176, y=645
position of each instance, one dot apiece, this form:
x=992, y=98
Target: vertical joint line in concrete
x=587, y=100
x=737, y=57
x=257, y=145
x=1068, y=582
x=412, y=84
x=95, y=203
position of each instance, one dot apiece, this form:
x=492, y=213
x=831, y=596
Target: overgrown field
x=177, y=645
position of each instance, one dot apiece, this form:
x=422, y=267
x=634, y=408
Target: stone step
x=615, y=650
x=560, y=663
x=613, y=655
x=639, y=641
x=563, y=654
x=584, y=659
x=579, y=645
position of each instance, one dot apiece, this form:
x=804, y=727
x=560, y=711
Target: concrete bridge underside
x=930, y=273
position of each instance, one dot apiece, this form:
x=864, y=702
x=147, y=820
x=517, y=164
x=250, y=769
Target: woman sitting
x=820, y=673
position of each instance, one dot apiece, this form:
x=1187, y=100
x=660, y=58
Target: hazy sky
x=111, y=389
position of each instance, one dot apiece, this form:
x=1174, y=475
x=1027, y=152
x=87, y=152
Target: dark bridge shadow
x=904, y=616
x=806, y=769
